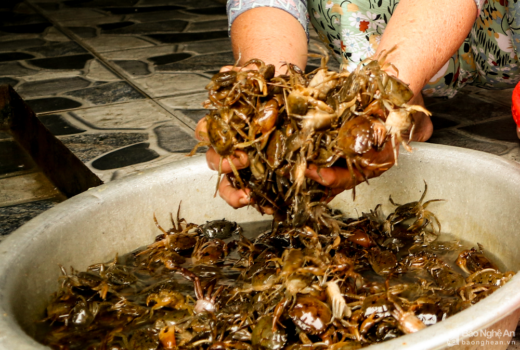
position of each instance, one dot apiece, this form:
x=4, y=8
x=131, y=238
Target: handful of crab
x=286, y=123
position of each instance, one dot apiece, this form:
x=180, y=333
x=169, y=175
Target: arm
x=426, y=34
x=271, y=35
x=275, y=37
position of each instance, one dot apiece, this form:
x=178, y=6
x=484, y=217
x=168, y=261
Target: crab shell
x=311, y=315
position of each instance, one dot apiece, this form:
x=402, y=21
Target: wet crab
x=205, y=302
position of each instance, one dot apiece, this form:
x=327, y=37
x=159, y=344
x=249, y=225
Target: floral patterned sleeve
x=297, y=8
x=479, y=4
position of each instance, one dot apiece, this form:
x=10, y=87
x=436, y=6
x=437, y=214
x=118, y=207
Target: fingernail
x=242, y=159
x=243, y=201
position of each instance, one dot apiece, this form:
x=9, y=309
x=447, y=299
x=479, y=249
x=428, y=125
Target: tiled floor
x=121, y=83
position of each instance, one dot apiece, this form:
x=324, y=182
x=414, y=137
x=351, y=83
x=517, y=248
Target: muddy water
x=116, y=321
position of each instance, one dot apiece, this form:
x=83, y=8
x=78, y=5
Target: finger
x=226, y=68
x=239, y=159
x=201, y=131
x=234, y=197
x=333, y=177
x=264, y=210
x=239, y=198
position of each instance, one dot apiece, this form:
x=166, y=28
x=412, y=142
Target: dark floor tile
x=99, y=3
x=442, y=123
x=48, y=6
x=132, y=10
x=150, y=28
x=10, y=5
x=217, y=11
x=15, y=69
x=453, y=138
x=89, y=146
x=5, y=136
x=51, y=86
x=13, y=158
x=42, y=105
x=430, y=101
x=10, y=18
x=467, y=108
x=195, y=114
x=133, y=67
x=171, y=58
x=59, y=126
x=199, y=4
x=160, y=16
x=15, y=216
x=59, y=49
x=186, y=3
x=130, y=155
x=61, y=63
x=14, y=56
x=113, y=92
x=502, y=130
x=200, y=63
x=220, y=24
x=217, y=45
x=186, y=37
x=14, y=45
x=84, y=32
x=174, y=139
x=8, y=81
x=115, y=25
x=36, y=28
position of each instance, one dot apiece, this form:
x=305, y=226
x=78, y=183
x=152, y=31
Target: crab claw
x=340, y=308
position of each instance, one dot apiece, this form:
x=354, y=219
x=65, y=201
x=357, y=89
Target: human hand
x=423, y=125
x=339, y=178
x=236, y=198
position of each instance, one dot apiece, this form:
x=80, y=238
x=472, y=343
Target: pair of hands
x=338, y=179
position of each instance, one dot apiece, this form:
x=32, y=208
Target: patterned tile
x=175, y=140
x=469, y=109
x=133, y=67
x=90, y=146
x=200, y=63
x=501, y=130
x=106, y=43
x=140, y=54
x=48, y=104
x=212, y=46
x=141, y=114
x=138, y=153
x=13, y=217
x=33, y=89
x=58, y=125
x=119, y=91
x=454, y=138
x=160, y=85
x=194, y=114
x=26, y=188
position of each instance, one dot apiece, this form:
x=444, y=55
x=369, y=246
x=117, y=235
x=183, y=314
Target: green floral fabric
x=488, y=58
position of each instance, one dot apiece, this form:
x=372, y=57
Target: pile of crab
x=289, y=122
x=216, y=286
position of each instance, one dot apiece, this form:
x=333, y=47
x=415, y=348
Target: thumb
x=226, y=68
